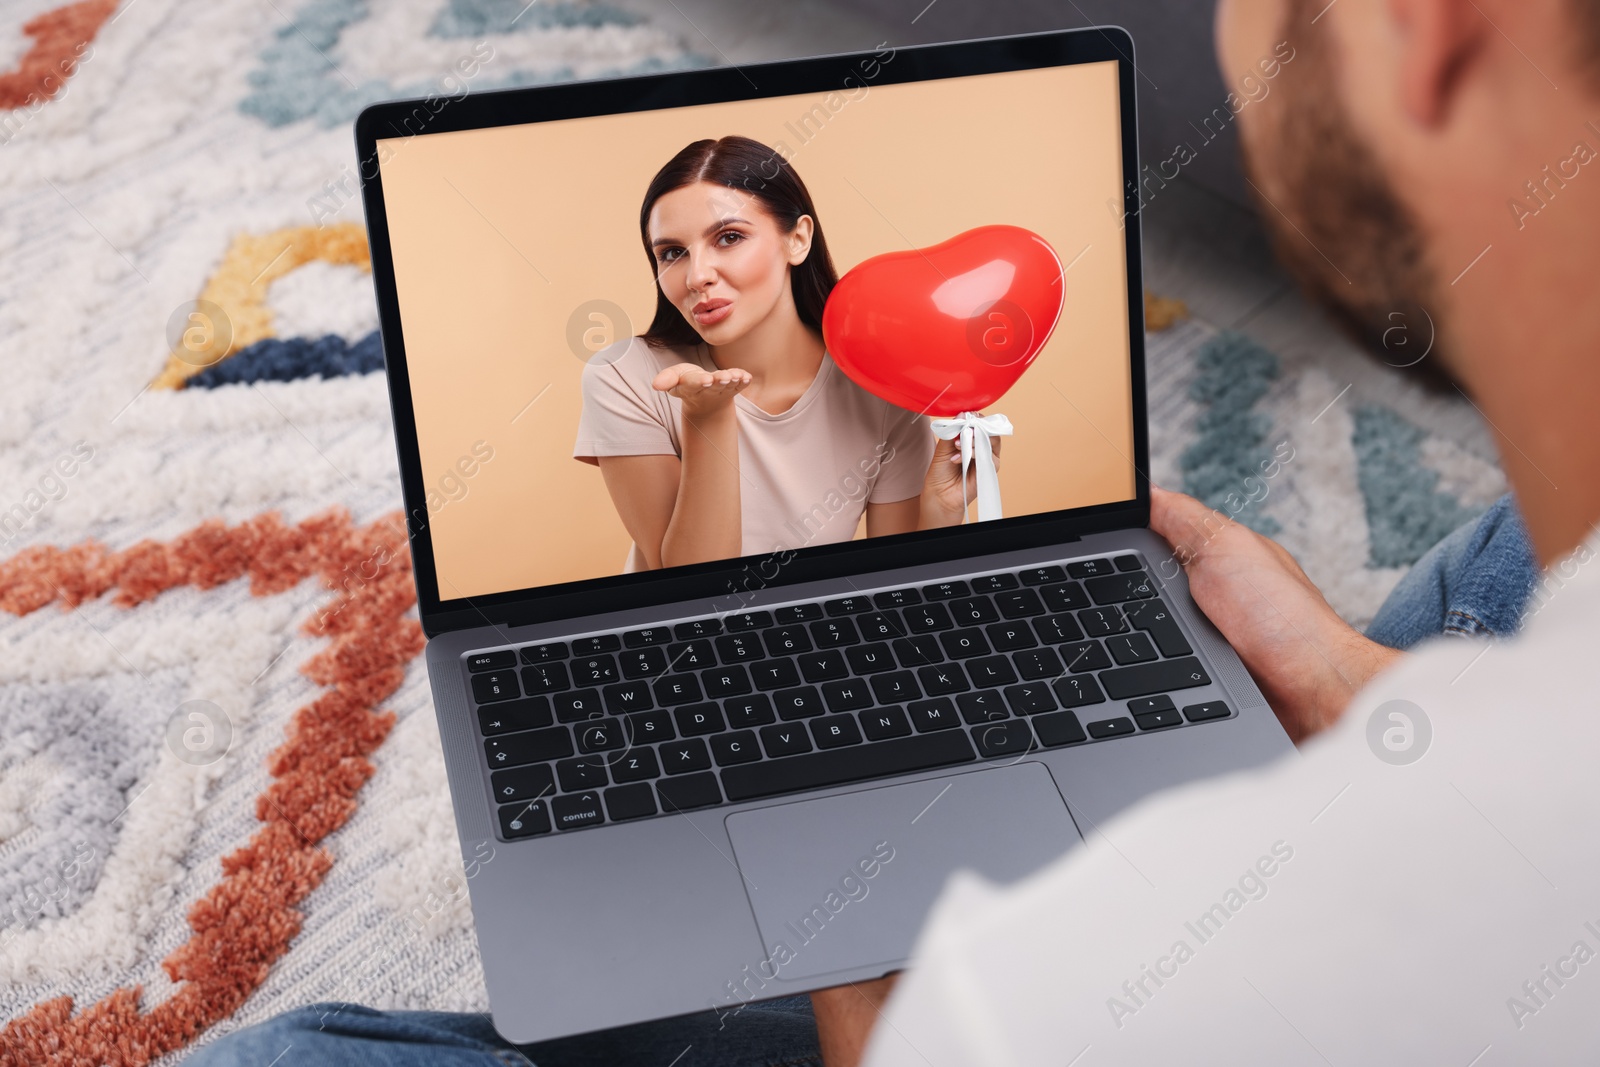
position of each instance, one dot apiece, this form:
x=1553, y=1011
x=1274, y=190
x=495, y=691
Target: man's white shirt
x=1342, y=906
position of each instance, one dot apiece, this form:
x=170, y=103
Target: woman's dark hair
x=740, y=163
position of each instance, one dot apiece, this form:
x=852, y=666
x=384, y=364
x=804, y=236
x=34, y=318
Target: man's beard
x=1348, y=239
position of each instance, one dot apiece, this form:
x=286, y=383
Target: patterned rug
x=221, y=794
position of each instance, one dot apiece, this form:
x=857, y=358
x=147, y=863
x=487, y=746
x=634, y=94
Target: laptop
x=705, y=751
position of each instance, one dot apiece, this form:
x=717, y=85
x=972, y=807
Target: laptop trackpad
x=845, y=881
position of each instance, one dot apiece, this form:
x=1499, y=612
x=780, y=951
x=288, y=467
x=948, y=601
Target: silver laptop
x=688, y=779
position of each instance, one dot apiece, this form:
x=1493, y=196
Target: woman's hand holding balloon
x=942, y=502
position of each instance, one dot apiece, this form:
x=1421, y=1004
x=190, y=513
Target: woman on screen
x=725, y=429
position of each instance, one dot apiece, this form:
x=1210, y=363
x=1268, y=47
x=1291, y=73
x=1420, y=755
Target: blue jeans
x=1476, y=581
x=777, y=1033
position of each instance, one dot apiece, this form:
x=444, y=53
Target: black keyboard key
x=944, y=679
x=964, y=644
x=788, y=739
x=738, y=747
x=652, y=635
x=740, y=648
x=1130, y=648
x=802, y=702
x=747, y=620
x=635, y=765
x=787, y=640
x=643, y=662
x=850, y=694
x=630, y=802
x=917, y=651
x=1047, y=575
x=675, y=689
x=691, y=655
x=1081, y=656
x=592, y=646
x=548, y=652
x=1211, y=709
x=1055, y=629
x=1121, y=726
x=1077, y=690
x=797, y=613
x=1037, y=663
x=648, y=727
x=834, y=633
x=592, y=670
x=1030, y=698
x=581, y=809
x=1059, y=728
x=880, y=724
x=1009, y=636
x=682, y=757
x=973, y=611
x=826, y=666
x=525, y=820
x=725, y=682
x=1118, y=588
x=1156, y=720
x=1142, y=705
x=601, y=736
x=627, y=696
x=1154, y=618
x=695, y=791
x=983, y=706
x=584, y=772
x=775, y=674
x=897, y=687
x=755, y=710
x=1163, y=676
x=936, y=714
x=836, y=731
x=491, y=661
x=1089, y=568
x=1021, y=604
x=522, y=783
x=1010, y=738
x=848, y=605
x=994, y=583
x=685, y=631
x=697, y=719
x=1127, y=563
x=927, y=619
x=1098, y=622
x=881, y=625
x=991, y=670
x=578, y=705
x=946, y=590
x=531, y=746
x=529, y=713
x=896, y=598
x=1069, y=596
x=870, y=659
x=852, y=764
x=497, y=685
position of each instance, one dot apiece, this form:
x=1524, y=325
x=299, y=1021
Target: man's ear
x=1436, y=40
x=800, y=240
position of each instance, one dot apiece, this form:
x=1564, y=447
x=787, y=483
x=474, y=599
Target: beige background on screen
x=500, y=235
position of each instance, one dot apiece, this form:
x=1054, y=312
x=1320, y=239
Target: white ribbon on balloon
x=974, y=432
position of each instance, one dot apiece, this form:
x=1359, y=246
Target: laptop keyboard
x=629, y=724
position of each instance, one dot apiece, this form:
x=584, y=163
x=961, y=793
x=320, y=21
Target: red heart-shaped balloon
x=949, y=328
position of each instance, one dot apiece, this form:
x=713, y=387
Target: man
x=1423, y=884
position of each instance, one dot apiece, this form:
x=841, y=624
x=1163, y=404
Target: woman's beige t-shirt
x=806, y=475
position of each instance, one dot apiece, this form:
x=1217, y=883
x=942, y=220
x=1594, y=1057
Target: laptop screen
x=762, y=327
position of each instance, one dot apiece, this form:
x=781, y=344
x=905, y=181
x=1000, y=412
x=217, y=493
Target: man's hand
x=1307, y=661
x=703, y=392
x=845, y=1016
